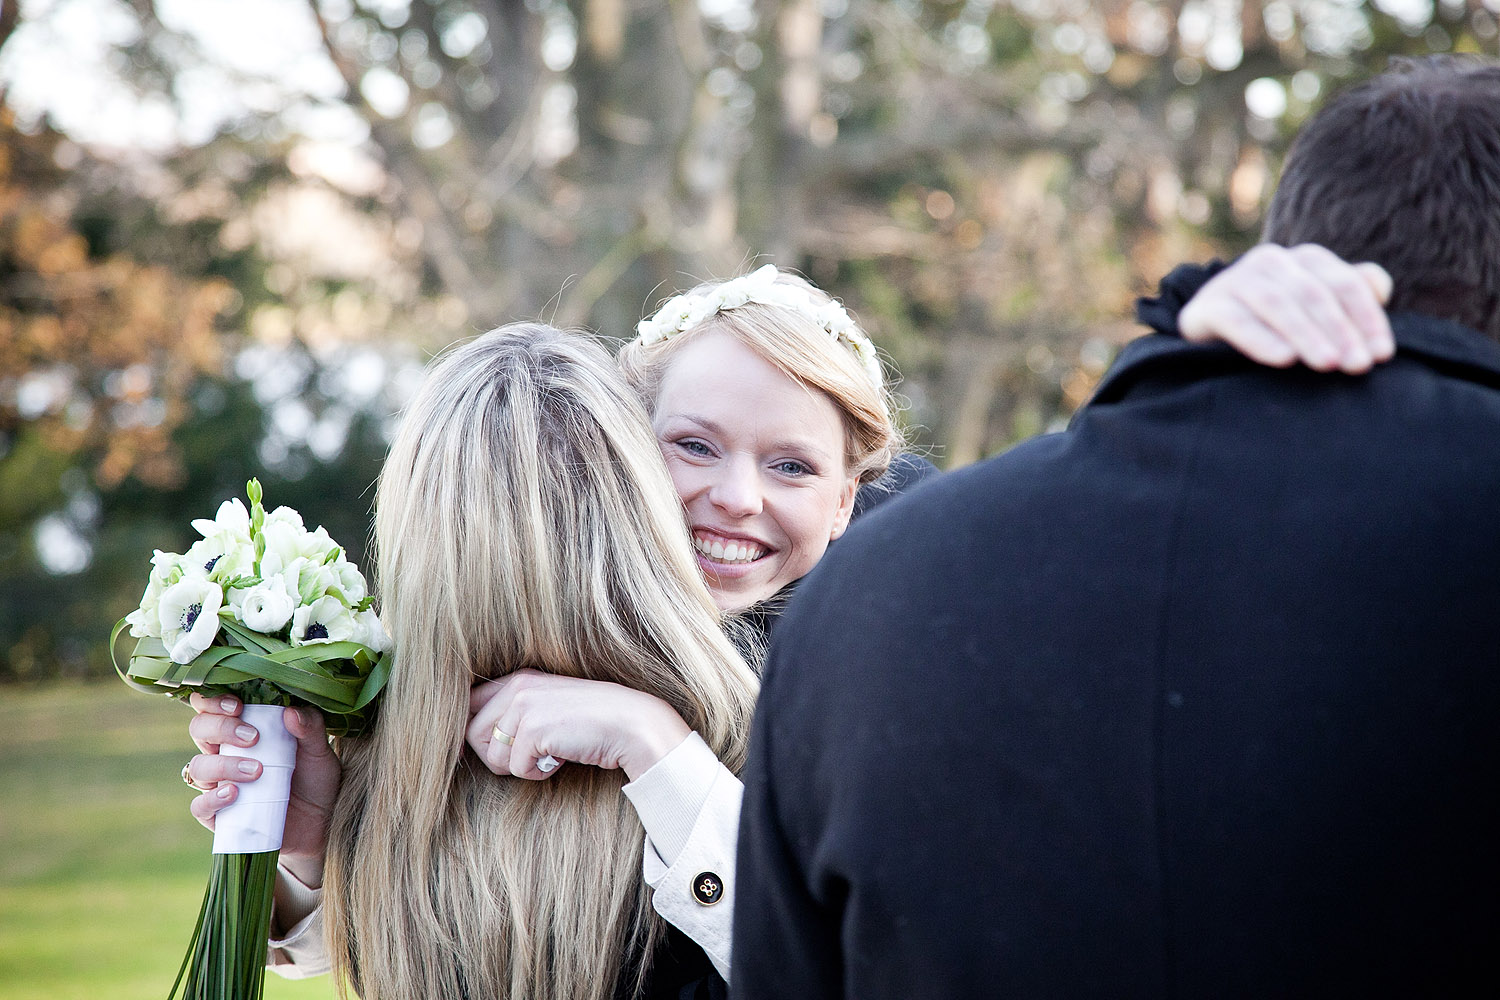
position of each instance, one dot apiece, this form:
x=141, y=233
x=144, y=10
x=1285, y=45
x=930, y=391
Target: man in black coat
x=1200, y=697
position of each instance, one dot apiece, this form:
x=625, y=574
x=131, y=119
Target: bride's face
x=758, y=459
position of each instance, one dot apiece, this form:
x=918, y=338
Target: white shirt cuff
x=670, y=795
x=300, y=951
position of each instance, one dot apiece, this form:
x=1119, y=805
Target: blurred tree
x=131, y=400
x=96, y=350
x=987, y=183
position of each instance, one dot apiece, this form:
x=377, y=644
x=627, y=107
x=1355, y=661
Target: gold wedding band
x=188, y=778
x=503, y=736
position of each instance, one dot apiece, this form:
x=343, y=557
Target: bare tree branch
x=442, y=241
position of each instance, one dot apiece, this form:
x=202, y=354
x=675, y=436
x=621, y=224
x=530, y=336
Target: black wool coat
x=1197, y=698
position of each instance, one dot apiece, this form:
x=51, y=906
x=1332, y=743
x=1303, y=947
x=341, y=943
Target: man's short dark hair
x=1404, y=170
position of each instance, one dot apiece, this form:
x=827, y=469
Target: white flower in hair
x=865, y=352
x=683, y=312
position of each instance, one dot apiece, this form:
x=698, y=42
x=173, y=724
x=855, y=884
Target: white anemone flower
x=314, y=578
x=287, y=542
x=232, y=520
x=189, y=617
x=220, y=557
x=267, y=606
x=369, y=632
x=306, y=579
x=143, y=621
x=327, y=619
x=146, y=620
x=283, y=547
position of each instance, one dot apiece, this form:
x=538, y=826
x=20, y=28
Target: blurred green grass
x=102, y=869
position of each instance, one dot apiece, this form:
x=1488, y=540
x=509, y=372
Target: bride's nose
x=737, y=489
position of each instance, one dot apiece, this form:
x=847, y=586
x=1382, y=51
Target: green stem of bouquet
x=226, y=958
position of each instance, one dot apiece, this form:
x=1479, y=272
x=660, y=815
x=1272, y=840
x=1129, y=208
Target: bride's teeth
x=728, y=552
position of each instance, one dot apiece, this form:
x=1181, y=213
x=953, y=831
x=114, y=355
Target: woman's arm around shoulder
x=687, y=800
x=1281, y=306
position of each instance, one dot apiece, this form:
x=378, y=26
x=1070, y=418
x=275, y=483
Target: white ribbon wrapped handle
x=254, y=821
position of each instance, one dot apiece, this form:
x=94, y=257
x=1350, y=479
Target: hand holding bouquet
x=267, y=611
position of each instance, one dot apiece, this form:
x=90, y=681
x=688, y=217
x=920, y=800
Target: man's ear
x=846, y=507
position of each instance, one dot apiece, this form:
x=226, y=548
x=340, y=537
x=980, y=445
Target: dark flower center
x=208, y=567
x=190, y=616
x=316, y=631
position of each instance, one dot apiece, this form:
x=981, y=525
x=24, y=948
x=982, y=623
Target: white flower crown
x=683, y=312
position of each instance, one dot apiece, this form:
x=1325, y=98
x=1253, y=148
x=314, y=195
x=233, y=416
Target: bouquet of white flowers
x=265, y=610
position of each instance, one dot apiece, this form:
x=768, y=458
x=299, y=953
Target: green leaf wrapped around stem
x=341, y=679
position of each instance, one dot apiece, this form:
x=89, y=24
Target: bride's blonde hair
x=524, y=518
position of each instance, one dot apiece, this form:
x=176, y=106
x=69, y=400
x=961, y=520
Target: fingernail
x=245, y=733
x=223, y=791
x=227, y=705
x=246, y=767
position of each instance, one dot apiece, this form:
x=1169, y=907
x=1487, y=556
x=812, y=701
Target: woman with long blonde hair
x=523, y=520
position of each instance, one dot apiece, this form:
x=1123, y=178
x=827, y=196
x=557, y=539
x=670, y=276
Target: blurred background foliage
x=230, y=233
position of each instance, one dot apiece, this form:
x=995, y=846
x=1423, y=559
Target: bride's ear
x=846, y=507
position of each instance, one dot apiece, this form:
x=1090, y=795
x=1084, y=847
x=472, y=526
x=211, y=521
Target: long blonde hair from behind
x=524, y=518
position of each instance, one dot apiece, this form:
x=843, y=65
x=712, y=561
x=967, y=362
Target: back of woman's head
x=797, y=327
x=524, y=518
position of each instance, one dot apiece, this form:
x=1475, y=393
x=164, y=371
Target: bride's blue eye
x=791, y=468
x=694, y=447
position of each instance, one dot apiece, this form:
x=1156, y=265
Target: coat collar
x=1446, y=346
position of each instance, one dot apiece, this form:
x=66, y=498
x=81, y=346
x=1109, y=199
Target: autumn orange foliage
x=110, y=344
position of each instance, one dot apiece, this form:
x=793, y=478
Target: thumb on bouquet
x=307, y=727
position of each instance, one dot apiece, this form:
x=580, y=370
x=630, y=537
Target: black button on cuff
x=708, y=888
